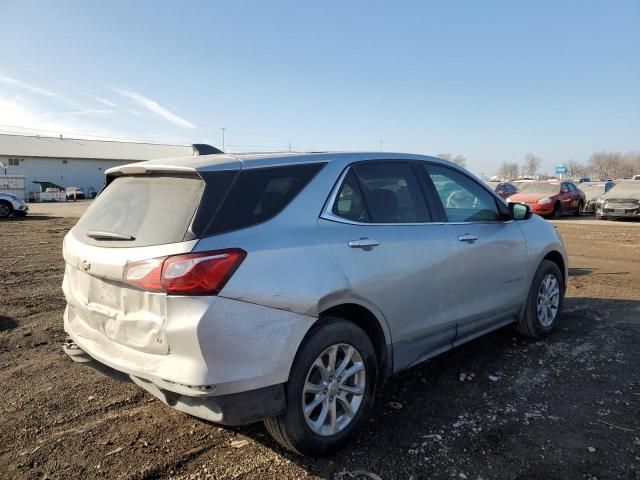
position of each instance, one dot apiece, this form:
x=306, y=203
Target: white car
x=636, y=177
x=11, y=204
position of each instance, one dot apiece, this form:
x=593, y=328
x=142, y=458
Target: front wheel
x=556, y=210
x=330, y=390
x=5, y=209
x=579, y=210
x=544, y=303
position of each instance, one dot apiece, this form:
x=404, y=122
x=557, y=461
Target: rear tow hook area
x=75, y=352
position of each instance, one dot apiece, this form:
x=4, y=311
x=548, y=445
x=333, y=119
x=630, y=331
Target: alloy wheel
x=548, y=300
x=333, y=389
x=4, y=210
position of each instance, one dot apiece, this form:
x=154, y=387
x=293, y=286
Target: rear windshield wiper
x=102, y=235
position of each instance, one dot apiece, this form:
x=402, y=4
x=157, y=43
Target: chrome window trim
x=327, y=213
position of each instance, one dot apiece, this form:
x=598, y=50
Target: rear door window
x=143, y=209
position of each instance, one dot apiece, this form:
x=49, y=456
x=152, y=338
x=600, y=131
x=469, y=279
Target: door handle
x=364, y=242
x=468, y=237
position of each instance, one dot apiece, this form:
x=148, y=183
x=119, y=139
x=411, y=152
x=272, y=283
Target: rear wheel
x=330, y=390
x=5, y=209
x=544, y=303
x=579, y=210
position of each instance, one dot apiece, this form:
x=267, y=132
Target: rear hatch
x=144, y=215
x=136, y=217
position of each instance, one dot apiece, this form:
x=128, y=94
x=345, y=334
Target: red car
x=551, y=199
x=504, y=189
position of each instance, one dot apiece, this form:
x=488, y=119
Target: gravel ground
x=500, y=407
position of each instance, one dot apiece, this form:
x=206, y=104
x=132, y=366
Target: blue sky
x=489, y=80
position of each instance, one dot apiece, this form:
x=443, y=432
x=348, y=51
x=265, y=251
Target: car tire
x=579, y=210
x=600, y=217
x=539, y=318
x=556, y=210
x=5, y=209
x=293, y=430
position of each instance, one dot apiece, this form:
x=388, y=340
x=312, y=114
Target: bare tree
x=458, y=159
x=531, y=164
x=631, y=161
x=606, y=164
x=615, y=164
x=576, y=169
x=508, y=170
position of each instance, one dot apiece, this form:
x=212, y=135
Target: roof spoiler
x=205, y=149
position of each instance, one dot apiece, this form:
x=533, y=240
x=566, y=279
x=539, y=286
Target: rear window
x=147, y=209
x=260, y=194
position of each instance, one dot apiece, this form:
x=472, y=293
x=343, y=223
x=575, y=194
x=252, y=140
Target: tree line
x=600, y=165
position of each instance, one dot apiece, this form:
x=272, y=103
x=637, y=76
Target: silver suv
x=288, y=287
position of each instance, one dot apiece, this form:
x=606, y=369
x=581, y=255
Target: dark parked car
x=592, y=191
x=551, y=199
x=504, y=189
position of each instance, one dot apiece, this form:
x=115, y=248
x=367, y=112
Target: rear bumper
x=216, y=346
x=234, y=409
x=590, y=207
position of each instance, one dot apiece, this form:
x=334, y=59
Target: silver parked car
x=289, y=287
x=593, y=191
x=12, y=204
x=622, y=201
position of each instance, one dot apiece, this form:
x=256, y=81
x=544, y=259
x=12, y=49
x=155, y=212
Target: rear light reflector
x=202, y=273
x=145, y=274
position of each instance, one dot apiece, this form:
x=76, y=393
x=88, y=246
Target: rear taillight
x=202, y=273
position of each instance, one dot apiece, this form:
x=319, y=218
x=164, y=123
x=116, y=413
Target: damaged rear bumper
x=232, y=410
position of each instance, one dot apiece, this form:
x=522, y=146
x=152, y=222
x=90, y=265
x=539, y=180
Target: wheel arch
x=375, y=328
x=557, y=258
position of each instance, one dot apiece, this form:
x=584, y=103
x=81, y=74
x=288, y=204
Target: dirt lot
x=562, y=408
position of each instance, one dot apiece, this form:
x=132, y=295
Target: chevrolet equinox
x=288, y=287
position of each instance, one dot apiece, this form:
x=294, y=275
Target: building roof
x=57, y=147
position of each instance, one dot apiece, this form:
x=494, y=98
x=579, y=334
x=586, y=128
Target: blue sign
x=561, y=169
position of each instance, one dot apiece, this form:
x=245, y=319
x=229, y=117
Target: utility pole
x=223, y=129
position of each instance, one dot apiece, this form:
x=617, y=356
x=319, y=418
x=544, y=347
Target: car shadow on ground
x=28, y=218
x=485, y=401
x=7, y=323
x=579, y=272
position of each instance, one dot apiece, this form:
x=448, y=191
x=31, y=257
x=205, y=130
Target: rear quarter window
x=259, y=194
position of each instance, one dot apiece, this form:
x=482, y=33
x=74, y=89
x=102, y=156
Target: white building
x=72, y=162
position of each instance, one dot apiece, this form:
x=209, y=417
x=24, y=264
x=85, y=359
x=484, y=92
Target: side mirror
x=519, y=211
